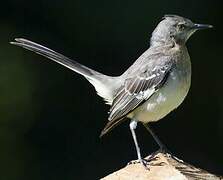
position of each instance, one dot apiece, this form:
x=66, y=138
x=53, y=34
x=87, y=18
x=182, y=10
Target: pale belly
x=169, y=97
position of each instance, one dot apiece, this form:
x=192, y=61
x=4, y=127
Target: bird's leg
x=163, y=148
x=133, y=125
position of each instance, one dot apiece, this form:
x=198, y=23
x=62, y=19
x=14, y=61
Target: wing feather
x=136, y=90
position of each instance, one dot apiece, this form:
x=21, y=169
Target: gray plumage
x=153, y=86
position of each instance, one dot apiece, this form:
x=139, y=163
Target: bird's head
x=176, y=28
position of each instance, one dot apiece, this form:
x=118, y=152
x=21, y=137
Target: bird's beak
x=202, y=26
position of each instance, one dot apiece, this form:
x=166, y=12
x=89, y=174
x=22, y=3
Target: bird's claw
x=144, y=162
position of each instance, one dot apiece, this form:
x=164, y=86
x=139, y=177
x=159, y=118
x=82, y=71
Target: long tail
x=101, y=82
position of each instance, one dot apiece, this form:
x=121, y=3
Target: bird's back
x=149, y=58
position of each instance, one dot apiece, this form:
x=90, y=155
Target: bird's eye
x=181, y=26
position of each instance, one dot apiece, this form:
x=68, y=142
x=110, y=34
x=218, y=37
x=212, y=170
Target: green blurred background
x=51, y=118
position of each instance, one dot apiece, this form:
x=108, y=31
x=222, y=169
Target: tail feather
x=103, y=84
x=55, y=56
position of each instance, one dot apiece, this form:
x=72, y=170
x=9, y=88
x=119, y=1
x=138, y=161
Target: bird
x=153, y=86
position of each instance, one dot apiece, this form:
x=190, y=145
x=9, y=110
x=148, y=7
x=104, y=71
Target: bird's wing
x=137, y=89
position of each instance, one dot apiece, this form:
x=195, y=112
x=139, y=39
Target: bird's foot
x=153, y=160
x=152, y=157
x=150, y=161
x=144, y=162
x=165, y=151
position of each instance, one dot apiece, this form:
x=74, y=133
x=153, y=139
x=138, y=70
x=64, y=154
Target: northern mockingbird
x=152, y=87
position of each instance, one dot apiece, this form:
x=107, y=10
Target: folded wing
x=136, y=90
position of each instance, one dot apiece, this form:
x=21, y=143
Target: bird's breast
x=169, y=97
